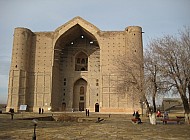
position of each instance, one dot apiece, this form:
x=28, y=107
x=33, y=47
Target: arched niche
x=79, y=95
x=81, y=62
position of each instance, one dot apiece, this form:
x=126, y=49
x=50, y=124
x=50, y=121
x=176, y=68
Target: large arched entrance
x=79, y=95
x=72, y=54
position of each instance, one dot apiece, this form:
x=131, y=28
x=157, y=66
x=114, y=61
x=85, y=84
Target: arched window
x=81, y=90
x=81, y=62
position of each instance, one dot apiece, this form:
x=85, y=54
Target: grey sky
x=156, y=17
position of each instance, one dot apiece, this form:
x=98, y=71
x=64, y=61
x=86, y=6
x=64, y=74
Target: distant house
x=169, y=103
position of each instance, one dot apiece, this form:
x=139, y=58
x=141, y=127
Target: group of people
x=137, y=115
x=87, y=112
x=41, y=110
x=165, y=115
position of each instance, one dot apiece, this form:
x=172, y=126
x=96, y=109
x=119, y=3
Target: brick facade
x=73, y=67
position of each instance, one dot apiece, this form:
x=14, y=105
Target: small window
x=82, y=98
x=81, y=90
x=78, y=60
x=83, y=61
x=83, y=69
x=86, y=60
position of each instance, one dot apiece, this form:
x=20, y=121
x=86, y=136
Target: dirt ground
x=113, y=127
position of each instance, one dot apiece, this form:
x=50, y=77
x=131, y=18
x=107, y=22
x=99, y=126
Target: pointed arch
x=79, y=94
x=70, y=28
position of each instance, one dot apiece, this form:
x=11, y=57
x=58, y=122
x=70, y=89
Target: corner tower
x=134, y=54
x=17, y=88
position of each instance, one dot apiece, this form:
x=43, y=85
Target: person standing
x=166, y=115
x=39, y=110
x=88, y=112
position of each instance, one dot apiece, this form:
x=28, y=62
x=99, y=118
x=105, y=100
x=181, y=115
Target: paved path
x=117, y=127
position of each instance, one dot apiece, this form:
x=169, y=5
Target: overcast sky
x=156, y=17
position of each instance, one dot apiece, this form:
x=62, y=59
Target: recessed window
x=81, y=62
x=64, y=83
x=78, y=60
x=83, y=69
x=81, y=90
x=82, y=98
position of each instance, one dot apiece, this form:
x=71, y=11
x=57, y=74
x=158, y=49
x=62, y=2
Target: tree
x=174, y=59
x=131, y=67
x=155, y=83
x=185, y=41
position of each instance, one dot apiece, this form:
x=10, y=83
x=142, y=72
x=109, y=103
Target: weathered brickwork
x=74, y=68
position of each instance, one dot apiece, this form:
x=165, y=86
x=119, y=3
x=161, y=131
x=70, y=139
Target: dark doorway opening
x=81, y=106
x=96, y=107
x=63, y=106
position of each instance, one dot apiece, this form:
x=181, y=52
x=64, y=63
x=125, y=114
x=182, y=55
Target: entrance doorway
x=81, y=106
x=63, y=106
x=79, y=95
x=96, y=107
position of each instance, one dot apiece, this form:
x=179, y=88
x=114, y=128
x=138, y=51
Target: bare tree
x=173, y=54
x=151, y=72
x=155, y=83
x=131, y=67
x=185, y=41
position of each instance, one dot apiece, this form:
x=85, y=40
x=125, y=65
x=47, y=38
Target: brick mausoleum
x=74, y=67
